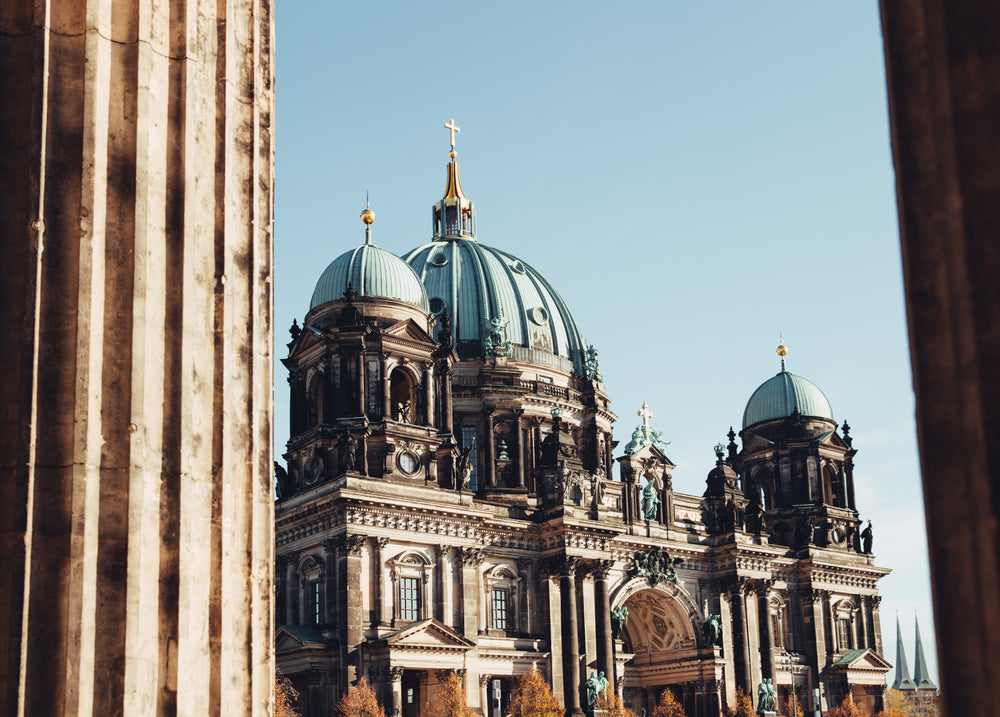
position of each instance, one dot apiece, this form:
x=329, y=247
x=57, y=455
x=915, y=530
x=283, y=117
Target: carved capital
x=762, y=587
x=876, y=601
x=355, y=544
x=820, y=594
x=472, y=556
x=600, y=568
x=332, y=545
x=484, y=680
x=396, y=673
x=381, y=542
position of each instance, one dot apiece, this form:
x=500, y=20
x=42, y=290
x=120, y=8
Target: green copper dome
x=373, y=272
x=779, y=396
x=498, y=304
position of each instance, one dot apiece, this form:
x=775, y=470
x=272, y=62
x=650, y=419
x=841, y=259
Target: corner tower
x=796, y=466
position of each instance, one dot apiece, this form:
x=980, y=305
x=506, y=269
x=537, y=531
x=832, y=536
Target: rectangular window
x=469, y=434
x=409, y=598
x=500, y=608
x=844, y=633
x=314, y=598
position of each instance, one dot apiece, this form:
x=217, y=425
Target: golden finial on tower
x=782, y=351
x=368, y=218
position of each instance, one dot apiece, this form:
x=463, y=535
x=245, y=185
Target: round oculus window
x=539, y=315
x=437, y=305
x=439, y=259
x=518, y=266
x=408, y=463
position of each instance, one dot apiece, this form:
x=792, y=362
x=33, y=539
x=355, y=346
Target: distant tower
x=920, y=674
x=903, y=681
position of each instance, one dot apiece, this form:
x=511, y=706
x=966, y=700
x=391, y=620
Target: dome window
x=518, y=267
x=539, y=315
x=439, y=259
x=437, y=305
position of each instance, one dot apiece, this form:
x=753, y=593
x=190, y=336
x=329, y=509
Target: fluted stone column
x=605, y=650
x=570, y=636
x=136, y=499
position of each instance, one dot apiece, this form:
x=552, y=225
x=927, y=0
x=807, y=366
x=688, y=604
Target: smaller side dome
x=372, y=272
x=782, y=394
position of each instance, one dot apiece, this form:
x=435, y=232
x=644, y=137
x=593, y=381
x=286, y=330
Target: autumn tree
x=360, y=703
x=668, y=706
x=612, y=706
x=450, y=701
x=847, y=708
x=534, y=698
x=743, y=708
x=284, y=697
x=896, y=705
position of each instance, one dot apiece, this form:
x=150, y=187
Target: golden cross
x=452, y=129
x=646, y=415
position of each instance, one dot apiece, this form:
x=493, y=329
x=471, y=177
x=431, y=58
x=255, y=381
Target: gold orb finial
x=368, y=215
x=782, y=349
x=453, y=154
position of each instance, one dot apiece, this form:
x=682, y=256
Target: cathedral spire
x=903, y=681
x=920, y=674
x=454, y=214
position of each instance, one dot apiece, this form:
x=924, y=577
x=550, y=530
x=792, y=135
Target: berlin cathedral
x=453, y=500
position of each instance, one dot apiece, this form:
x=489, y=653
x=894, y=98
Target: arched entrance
x=662, y=646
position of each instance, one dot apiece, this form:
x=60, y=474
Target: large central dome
x=488, y=292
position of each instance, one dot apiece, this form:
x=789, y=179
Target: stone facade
x=443, y=510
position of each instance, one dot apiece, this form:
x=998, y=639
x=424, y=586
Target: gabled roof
x=294, y=637
x=428, y=634
x=864, y=659
x=409, y=330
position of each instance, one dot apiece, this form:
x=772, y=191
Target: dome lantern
x=454, y=214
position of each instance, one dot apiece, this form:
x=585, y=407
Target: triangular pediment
x=289, y=638
x=755, y=443
x=409, y=330
x=650, y=452
x=866, y=659
x=429, y=634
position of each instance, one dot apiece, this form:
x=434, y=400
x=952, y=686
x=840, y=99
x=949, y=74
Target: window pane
x=500, y=608
x=409, y=602
x=314, y=596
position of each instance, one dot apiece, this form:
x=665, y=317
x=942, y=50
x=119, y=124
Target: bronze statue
x=866, y=539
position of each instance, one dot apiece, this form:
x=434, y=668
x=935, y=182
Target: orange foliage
x=896, y=705
x=534, y=698
x=847, y=708
x=668, y=706
x=284, y=697
x=612, y=706
x=744, y=706
x=450, y=701
x=360, y=703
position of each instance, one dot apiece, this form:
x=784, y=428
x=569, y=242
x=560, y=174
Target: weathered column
x=362, y=382
x=521, y=463
x=490, y=446
x=429, y=393
x=764, y=629
x=471, y=559
x=330, y=591
x=291, y=588
x=484, y=702
x=605, y=650
x=386, y=386
x=381, y=584
x=866, y=635
x=876, y=623
x=396, y=676
x=352, y=598
x=136, y=508
x=726, y=599
x=446, y=373
x=743, y=665
x=570, y=636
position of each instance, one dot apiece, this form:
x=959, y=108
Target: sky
x=697, y=180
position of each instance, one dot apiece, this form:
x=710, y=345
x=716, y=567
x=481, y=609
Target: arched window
x=779, y=630
x=502, y=594
x=844, y=620
x=401, y=396
x=312, y=578
x=834, y=485
x=764, y=480
x=315, y=399
x=411, y=576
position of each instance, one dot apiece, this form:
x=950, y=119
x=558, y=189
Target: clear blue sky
x=694, y=178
